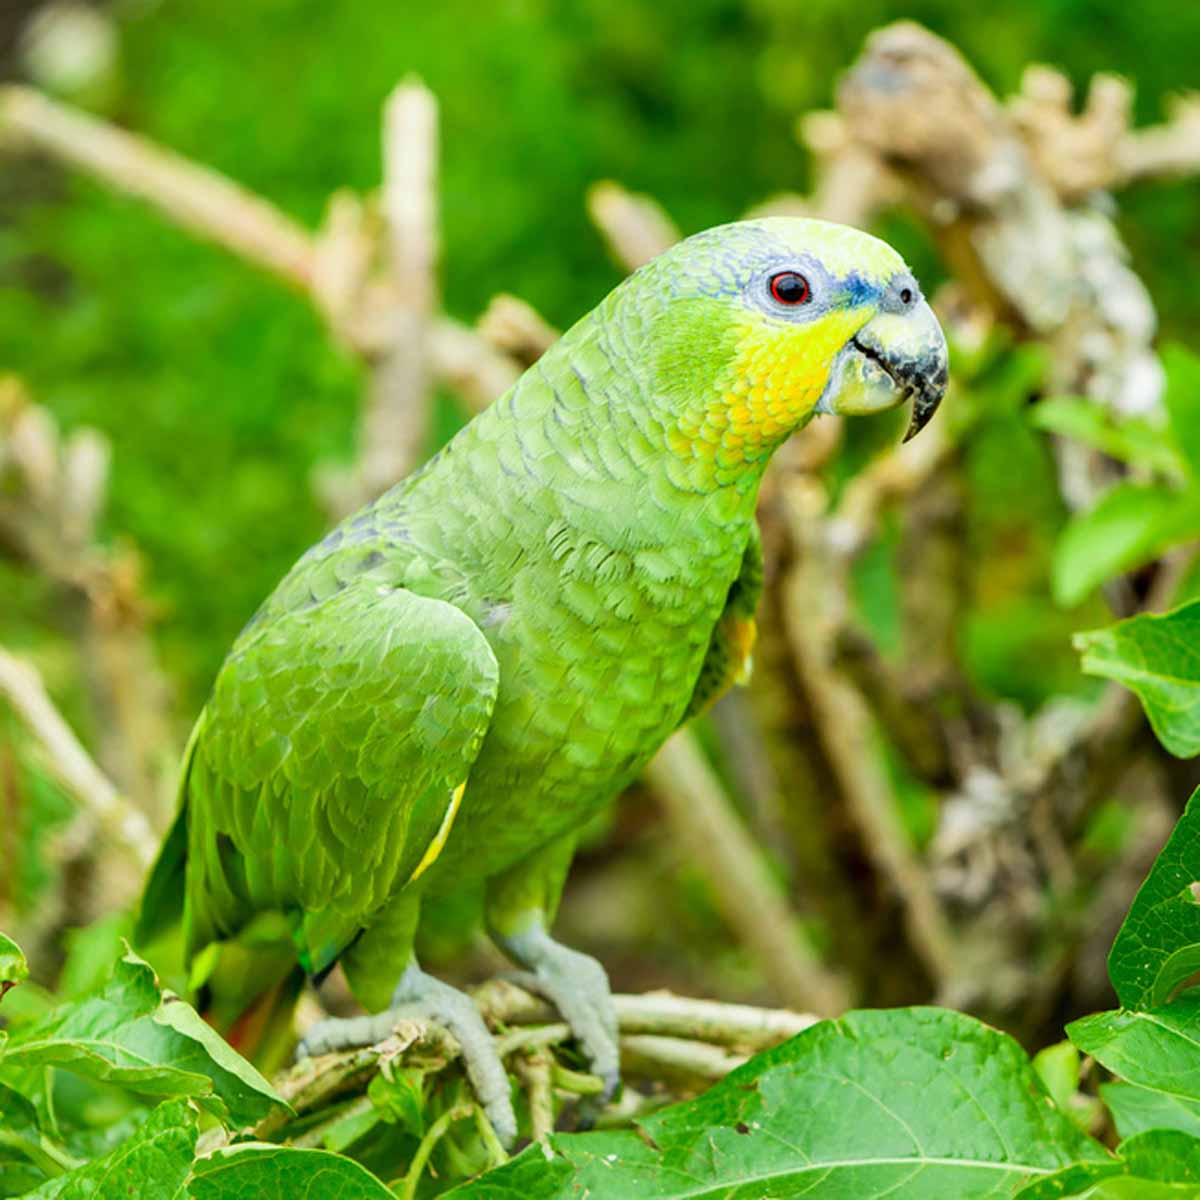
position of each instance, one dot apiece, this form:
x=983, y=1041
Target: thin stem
x=579, y=1083
x=537, y=1071
x=487, y=1134
x=433, y=1135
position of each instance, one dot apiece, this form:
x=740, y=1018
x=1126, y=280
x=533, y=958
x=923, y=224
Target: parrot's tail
x=246, y=989
x=265, y=1032
x=245, y=986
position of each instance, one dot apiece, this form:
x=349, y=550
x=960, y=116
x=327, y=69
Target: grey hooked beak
x=895, y=356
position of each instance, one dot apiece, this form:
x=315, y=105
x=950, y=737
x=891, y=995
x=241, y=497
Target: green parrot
x=451, y=683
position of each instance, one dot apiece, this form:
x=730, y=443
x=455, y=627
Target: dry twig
x=22, y=687
x=704, y=822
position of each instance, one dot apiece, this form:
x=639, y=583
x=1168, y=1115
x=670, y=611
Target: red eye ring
x=790, y=288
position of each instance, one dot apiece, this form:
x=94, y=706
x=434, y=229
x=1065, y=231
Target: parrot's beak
x=894, y=356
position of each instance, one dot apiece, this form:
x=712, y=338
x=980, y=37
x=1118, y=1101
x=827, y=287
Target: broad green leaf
x=1135, y=1109
x=256, y=1169
x=1131, y=440
x=13, y=967
x=1161, y=1164
x=1158, y=945
x=1158, y=658
x=914, y=1104
x=1157, y=1048
x=1182, y=399
x=152, y=1165
x=132, y=1035
x=1130, y=525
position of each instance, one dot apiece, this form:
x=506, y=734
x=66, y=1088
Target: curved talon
x=421, y=996
x=577, y=985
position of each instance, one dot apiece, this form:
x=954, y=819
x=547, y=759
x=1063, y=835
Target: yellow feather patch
x=743, y=633
x=778, y=375
x=439, y=838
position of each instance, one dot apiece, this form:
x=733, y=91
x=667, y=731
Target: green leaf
x=22, y=1154
x=1182, y=399
x=1158, y=658
x=1158, y=945
x=132, y=1035
x=256, y=1169
x=13, y=967
x=1135, y=1109
x=349, y=1128
x=1131, y=440
x=91, y=951
x=1157, y=1048
x=914, y=1104
x=152, y=1165
x=1130, y=525
x=1161, y=1164
x=398, y=1093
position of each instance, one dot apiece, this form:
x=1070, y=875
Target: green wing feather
x=326, y=761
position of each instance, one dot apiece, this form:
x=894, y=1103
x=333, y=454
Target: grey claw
x=612, y=1082
x=577, y=985
x=421, y=996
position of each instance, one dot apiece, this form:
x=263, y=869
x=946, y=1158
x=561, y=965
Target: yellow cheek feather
x=776, y=376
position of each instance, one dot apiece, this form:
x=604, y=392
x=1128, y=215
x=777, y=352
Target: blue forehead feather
x=858, y=289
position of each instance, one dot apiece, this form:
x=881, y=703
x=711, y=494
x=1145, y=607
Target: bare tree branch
x=703, y=820
x=22, y=687
x=636, y=228
x=394, y=424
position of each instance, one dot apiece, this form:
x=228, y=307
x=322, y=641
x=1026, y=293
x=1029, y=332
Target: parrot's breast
x=599, y=648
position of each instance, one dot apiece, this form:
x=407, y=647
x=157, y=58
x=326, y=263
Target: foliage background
x=221, y=392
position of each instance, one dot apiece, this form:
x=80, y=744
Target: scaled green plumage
x=531, y=614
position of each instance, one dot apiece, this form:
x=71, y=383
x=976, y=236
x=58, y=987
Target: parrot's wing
x=330, y=762
x=730, y=649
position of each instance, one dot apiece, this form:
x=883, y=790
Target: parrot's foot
x=577, y=985
x=421, y=996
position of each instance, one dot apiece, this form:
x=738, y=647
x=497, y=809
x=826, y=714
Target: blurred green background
x=221, y=391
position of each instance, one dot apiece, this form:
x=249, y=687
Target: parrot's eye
x=789, y=288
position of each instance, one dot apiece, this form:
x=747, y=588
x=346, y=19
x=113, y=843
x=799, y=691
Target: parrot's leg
x=416, y=996
x=521, y=905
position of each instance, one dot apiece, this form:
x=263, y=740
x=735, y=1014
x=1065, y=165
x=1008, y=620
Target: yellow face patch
x=775, y=378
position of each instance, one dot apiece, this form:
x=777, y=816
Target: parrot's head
x=757, y=326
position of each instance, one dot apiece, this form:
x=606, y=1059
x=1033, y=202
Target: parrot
x=457, y=678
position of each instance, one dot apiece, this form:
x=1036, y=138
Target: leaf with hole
x=914, y=1104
